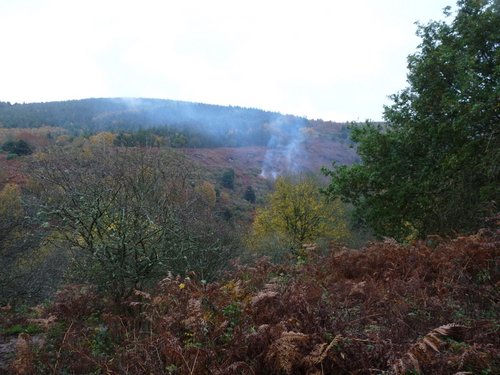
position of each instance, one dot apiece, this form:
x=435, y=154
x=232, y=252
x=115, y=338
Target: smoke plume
x=285, y=147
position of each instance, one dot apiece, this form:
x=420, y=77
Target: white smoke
x=285, y=148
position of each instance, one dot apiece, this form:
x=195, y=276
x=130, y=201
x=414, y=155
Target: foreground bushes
x=431, y=307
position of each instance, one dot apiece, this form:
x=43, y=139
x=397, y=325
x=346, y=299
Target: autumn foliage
x=297, y=213
x=430, y=307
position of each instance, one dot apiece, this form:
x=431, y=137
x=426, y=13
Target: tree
x=227, y=179
x=250, y=195
x=27, y=272
x=19, y=147
x=432, y=167
x=129, y=215
x=11, y=216
x=207, y=193
x=104, y=139
x=11, y=213
x=298, y=213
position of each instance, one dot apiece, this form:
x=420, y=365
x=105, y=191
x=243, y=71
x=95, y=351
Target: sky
x=329, y=59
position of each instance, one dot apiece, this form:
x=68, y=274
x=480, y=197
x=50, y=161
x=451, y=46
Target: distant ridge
x=126, y=113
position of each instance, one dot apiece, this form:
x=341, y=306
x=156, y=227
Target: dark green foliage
x=227, y=179
x=226, y=214
x=163, y=136
x=19, y=147
x=250, y=195
x=140, y=138
x=433, y=167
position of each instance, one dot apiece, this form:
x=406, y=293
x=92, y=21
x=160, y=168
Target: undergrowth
x=429, y=308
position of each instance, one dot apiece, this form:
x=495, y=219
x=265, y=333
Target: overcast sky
x=331, y=59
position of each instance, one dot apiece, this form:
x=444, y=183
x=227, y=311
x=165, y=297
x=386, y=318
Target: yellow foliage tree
x=103, y=139
x=299, y=213
x=207, y=192
x=63, y=139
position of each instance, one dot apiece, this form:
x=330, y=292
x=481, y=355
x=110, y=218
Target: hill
x=253, y=141
x=216, y=125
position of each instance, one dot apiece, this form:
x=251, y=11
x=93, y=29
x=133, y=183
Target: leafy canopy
x=299, y=213
x=432, y=167
x=19, y=147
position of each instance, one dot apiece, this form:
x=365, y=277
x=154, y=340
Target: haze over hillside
x=279, y=144
x=133, y=113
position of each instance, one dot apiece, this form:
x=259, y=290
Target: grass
x=31, y=329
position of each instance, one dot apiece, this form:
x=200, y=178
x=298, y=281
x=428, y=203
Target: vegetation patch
x=387, y=307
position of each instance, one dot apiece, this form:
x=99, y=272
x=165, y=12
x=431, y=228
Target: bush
x=227, y=179
x=140, y=216
x=250, y=195
x=20, y=147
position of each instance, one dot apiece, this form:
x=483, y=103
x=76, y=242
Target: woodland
x=147, y=236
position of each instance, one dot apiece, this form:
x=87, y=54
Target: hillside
x=215, y=125
x=251, y=141
x=248, y=162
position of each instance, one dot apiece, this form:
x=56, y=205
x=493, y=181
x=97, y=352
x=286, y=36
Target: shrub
x=250, y=195
x=19, y=147
x=227, y=179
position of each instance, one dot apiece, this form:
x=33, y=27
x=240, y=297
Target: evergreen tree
x=227, y=179
x=433, y=166
x=250, y=195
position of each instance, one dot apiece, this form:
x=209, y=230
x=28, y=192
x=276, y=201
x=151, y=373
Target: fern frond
x=422, y=351
x=320, y=352
x=284, y=354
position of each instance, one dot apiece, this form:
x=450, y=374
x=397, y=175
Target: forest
x=147, y=236
x=154, y=122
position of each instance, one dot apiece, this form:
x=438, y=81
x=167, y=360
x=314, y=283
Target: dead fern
x=265, y=318
x=286, y=353
x=23, y=364
x=422, y=352
x=320, y=352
